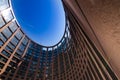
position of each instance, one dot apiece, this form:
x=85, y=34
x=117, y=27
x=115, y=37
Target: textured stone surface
x=104, y=17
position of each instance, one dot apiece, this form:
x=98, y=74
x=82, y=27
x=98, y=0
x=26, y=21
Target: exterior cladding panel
x=78, y=56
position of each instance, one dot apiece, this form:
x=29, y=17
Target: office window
x=14, y=41
x=5, y=53
x=15, y=59
x=1, y=43
x=2, y=37
x=3, y=59
x=19, y=52
x=12, y=64
x=7, y=32
x=11, y=45
x=7, y=15
x=19, y=34
x=17, y=55
x=8, y=69
x=13, y=26
x=1, y=65
x=1, y=22
x=25, y=41
x=3, y=4
x=22, y=47
x=8, y=49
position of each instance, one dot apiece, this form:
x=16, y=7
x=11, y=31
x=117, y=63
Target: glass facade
x=3, y=4
x=75, y=57
x=7, y=15
x=1, y=22
x=7, y=32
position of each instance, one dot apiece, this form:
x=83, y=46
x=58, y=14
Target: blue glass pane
x=1, y=22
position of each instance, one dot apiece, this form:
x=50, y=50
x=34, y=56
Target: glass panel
x=11, y=45
x=12, y=64
x=1, y=22
x=8, y=49
x=2, y=37
x=19, y=52
x=22, y=47
x=13, y=26
x=1, y=43
x=7, y=32
x=3, y=59
x=8, y=69
x=3, y=4
x=7, y=15
x=15, y=59
x=19, y=34
x=14, y=41
x=6, y=53
x=1, y=65
x=25, y=41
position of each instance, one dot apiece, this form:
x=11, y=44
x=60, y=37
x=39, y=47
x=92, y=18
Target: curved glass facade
x=75, y=57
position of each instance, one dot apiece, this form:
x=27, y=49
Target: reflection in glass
x=7, y=32
x=19, y=34
x=7, y=15
x=1, y=22
x=2, y=37
x=3, y=4
x=13, y=26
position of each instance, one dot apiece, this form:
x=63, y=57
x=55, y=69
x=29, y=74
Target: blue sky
x=42, y=20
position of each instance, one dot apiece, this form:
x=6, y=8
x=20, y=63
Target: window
x=14, y=41
x=7, y=15
x=8, y=69
x=19, y=52
x=8, y=49
x=17, y=55
x=13, y=26
x=25, y=41
x=5, y=53
x=19, y=34
x=3, y=59
x=7, y=32
x=12, y=64
x=22, y=47
x=3, y=4
x=1, y=43
x=1, y=22
x=15, y=59
x=11, y=45
x=2, y=37
x=1, y=65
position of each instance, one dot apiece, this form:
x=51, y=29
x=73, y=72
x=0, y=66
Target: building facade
x=81, y=54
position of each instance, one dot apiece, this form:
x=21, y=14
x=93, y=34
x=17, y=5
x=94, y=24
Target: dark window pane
x=8, y=49
x=6, y=53
x=11, y=45
x=1, y=65
x=3, y=59
x=1, y=43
